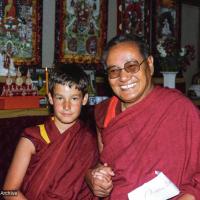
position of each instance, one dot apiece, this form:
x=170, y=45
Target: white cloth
x=159, y=188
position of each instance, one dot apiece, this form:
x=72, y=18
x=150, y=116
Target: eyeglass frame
x=125, y=68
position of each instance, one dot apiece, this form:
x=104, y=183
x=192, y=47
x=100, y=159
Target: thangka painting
x=167, y=20
x=134, y=16
x=166, y=24
x=20, y=32
x=80, y=30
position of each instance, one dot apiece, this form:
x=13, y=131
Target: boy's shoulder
x=32, y=131
x=35, y=134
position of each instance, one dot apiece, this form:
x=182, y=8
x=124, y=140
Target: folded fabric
x=159, y=188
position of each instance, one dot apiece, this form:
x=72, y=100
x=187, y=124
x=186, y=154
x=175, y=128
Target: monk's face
x=130, y=87
x=67, y=103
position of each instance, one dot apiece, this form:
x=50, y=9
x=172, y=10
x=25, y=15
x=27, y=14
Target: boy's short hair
x=68, y=74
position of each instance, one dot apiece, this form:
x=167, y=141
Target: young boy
x=51, y=159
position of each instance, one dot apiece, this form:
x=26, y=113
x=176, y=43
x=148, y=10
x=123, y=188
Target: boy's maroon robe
x=160, y=133
x=57, y=169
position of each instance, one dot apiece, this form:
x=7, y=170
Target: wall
x=189, y=31
x=48, y=33
x=190, y=35
x=112, y=19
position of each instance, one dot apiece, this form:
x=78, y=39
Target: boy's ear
x=50, y=98
x=85, y=99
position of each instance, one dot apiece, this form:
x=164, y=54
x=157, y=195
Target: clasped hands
x=99, y=180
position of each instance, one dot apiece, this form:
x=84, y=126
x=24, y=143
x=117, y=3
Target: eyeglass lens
x=130, y=67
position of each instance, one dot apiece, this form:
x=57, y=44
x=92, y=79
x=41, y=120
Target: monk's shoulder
x=100, y=109
x=177, y=100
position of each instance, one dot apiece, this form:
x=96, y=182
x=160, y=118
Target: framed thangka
x=166, y=24
x=167, y=19
x=20, y=32
x=80, y=30
x=134, y=16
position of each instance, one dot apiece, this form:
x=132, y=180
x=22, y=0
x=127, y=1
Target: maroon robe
x=160, y=133
x=57, y=169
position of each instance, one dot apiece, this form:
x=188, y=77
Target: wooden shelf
x=196, y=101
x=24, y=112
x=180, y=83
x=159, y=80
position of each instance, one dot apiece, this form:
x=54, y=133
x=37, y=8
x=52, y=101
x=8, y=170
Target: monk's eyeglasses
x=130, y=67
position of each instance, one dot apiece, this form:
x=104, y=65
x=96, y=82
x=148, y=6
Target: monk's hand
x=99, y=180
x=103, y=172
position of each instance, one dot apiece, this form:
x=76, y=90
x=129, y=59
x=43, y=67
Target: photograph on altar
x=92, y=83
x=39, y=79
x=20, y=34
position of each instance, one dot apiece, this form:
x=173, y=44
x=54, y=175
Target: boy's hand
x=100, y=180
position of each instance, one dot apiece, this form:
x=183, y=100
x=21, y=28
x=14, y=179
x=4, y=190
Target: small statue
x=7, y=88
x=28, y=80
x=19, y=80
x=7, y=63
x=8, y=80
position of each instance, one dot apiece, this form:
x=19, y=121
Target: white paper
x=159, y=188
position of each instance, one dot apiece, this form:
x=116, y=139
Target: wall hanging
x=80, y=30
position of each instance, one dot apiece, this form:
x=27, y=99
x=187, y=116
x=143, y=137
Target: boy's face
x=67, y=103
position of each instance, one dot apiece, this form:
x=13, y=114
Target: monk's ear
x=150, y=61
x=50, y=98
x=85, y=99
